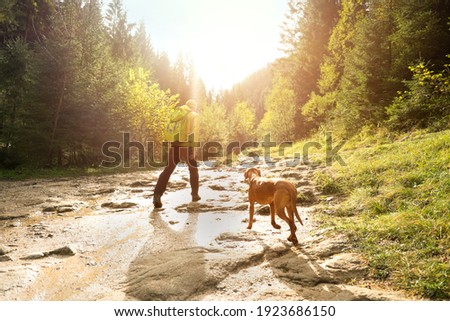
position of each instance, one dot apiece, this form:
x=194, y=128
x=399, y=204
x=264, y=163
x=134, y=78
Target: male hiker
x=181, y=132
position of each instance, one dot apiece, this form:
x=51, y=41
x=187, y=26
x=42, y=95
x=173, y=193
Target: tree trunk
x=55, y=122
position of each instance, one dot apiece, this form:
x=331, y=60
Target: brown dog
x=280, y=194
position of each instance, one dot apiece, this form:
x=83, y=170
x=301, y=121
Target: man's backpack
x=173, y=130
x=183, y=122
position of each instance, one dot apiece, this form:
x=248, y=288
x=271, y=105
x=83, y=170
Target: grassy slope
x=396, y=209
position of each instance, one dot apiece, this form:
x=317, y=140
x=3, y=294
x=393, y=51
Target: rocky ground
x=99, y=238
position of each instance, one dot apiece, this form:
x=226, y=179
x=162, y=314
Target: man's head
x=192, y=104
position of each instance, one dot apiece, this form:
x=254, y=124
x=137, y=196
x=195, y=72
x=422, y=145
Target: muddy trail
x=99, y=238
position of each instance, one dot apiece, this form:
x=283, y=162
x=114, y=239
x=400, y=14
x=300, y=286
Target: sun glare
x=228, y=40
x=219, y=63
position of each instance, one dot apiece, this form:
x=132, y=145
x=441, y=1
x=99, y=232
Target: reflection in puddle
x=213, y=214
x=211, y=225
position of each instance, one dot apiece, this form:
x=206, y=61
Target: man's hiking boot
x=157, y=201
x=196, y=198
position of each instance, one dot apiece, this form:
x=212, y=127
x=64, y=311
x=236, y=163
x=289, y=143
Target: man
x=182, y=133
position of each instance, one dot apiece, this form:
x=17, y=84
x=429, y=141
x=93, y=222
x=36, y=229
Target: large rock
x=328, y=246
x=300, y=269
x=188, y=272
x=345, y=266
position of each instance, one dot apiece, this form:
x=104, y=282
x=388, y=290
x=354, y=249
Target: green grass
x=396, y=209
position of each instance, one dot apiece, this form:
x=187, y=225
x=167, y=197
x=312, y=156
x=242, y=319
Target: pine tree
x=119, y=31
x=306, y=34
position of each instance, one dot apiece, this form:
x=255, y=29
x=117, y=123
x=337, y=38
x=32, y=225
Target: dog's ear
x=258, y=171
x=246, y=173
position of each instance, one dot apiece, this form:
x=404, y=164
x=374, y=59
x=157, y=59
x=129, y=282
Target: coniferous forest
x=73, y=78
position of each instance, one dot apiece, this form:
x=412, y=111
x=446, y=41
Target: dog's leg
x=292, y=238
x=272, y=216
x=250, y=218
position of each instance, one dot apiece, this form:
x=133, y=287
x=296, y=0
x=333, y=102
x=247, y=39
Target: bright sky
x=227, y=39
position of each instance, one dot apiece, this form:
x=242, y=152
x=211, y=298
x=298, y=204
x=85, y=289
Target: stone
x=184, y=268
x=235, y=237
x=217, y=187
x=5, y=249
x=15, y=224
x=303, y=182
x=5, y=258
x=67, y=250
x=329, y=246
x=104, y=191
x=264, y=210
x=10, y=216
x=241, y=207
x=299, y=269
x=58, y=208
x=34, y=256
x=142, y=184
x=64, y=209
x=306, y=195
x=292, y=174
x=122, y=205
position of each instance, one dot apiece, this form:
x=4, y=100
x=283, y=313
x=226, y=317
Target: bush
x=426, y=103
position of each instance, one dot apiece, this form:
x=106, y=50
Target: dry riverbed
x=99, y=238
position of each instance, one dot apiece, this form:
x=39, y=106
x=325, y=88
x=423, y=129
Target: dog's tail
x=294, y=204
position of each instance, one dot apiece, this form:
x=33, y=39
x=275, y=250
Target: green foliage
x=327, y=183
x=242, y=123
x=213, y=124
x=318, y=108
x=147, y=106
x=281, y=107
x=369, y=51
x=426, y=103
x=397, y=210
